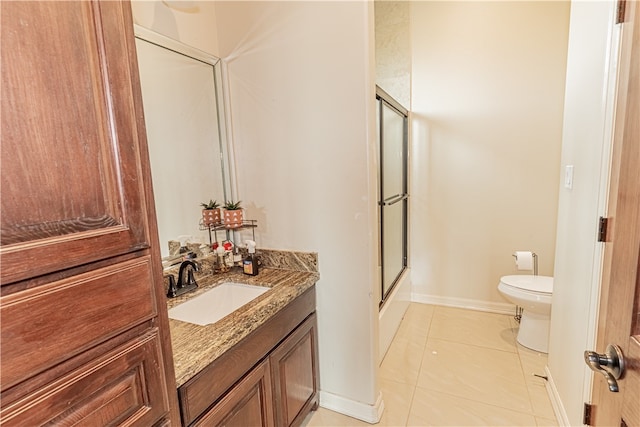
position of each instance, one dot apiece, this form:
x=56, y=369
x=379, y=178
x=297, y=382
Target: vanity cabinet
x=84, y=327
x=249, y=403
x=269, y=378
x=294, y=374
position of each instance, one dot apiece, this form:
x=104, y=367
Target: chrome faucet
x=182, y=287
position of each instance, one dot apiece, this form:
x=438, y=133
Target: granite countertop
x=195, y=346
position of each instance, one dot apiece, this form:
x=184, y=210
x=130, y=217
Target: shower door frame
x=384, y=99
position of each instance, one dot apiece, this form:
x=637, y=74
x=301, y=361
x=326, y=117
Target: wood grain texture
x=248, y=404
x=294, y=372
x=53, y=162
x=81, y=273
x=56, y=321
x=125, y=386
x=72, y=179
x=631, y=400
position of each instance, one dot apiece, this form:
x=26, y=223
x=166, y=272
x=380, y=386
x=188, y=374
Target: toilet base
x=534, y=331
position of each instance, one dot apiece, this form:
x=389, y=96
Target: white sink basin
x=216, y=303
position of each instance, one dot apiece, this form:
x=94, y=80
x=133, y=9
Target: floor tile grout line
x=496, y=315
x=424, y=349
x=531, y=414
x=472, y=345
x=517, y=353
x=413, y=395
x=533, y=408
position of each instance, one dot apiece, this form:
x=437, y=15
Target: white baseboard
x=471, y=304
x=362, y=411
x=556, y=402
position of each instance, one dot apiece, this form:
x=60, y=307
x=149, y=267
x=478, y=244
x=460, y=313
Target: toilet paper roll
x=524, y=260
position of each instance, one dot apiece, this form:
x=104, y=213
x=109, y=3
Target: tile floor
x=455, y=367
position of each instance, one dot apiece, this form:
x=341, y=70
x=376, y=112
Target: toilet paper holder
x=535, y=262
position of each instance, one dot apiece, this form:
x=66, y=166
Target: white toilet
x=533, y=294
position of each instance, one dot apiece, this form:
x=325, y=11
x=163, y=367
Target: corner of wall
x=368, y=413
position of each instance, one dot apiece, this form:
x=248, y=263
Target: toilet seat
x=537, y=284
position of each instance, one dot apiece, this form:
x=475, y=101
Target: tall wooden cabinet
x=85, y=337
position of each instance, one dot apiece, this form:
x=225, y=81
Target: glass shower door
x=392, y=122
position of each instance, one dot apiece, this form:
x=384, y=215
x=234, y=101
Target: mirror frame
x=221, y=94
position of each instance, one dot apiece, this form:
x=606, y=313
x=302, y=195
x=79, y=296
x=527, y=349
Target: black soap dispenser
x=250, y=263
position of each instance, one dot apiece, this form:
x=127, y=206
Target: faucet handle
x=173, y=289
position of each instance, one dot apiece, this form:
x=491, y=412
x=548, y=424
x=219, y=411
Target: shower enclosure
x=393, y=195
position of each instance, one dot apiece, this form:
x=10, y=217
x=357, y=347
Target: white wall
x=302, y=99
x=586, y=139
x=190, y=22
x=302, y=96
x=393, y=75
x=487, y=95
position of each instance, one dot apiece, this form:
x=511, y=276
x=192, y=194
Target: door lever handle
x=610, y=364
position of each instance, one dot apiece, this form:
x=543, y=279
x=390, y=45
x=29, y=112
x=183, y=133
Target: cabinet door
x=80, y=272
x=72, y=125
x=294, y=372
x=247, y=404
x=124, y=386
x=36, y=322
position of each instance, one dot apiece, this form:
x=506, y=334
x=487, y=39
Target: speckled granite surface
x=194, y=346
x=302, y=261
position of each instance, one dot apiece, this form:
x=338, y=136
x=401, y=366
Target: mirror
x=185, y=131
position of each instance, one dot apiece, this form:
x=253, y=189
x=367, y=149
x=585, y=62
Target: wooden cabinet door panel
x=48, y=324
x=71, y=128
x=125, y=386
x=247, y=404
x=294, y=374
x=80, y=270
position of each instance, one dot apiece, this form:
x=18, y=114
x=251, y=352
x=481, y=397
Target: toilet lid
x=543, y=284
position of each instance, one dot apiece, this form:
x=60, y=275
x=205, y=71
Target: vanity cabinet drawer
x=46, y=325
x=124, y=386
